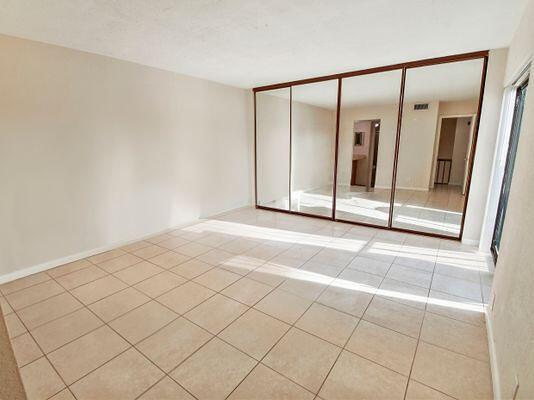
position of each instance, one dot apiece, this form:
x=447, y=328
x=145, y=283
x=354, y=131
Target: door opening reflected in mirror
x=364, y=155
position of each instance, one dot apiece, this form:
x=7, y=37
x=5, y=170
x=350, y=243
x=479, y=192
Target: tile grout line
x=130, y=345
x=350, y=336
x=182, y=315
x=44, y=355
x=107, y=274
x=191, y=279
x=84, y=306
x=281, y=337
x=159, y=381
x=420, y=331
x=65, y=290
x=219, y=292
x=311, y=333
x=212, y=335
x=295, y=327
x=437, y=390
x=27, y=287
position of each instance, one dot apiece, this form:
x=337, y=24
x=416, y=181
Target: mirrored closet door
x=272, y=148
x=313, y=135
x=390, y=147
x=367, y=132
x=439, y=117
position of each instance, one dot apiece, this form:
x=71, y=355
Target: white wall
x=512, y=317
x=313, y=134
x=487, y=136
x=272, y=146
x=95, y=151
x=455, y=108
x=416, y=150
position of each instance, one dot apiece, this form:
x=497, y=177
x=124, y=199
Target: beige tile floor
x=257, y=305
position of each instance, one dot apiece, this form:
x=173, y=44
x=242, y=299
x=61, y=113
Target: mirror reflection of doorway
x=451, y=158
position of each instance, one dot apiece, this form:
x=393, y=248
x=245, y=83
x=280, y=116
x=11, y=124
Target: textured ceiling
x=249, y=43
x=444, y=82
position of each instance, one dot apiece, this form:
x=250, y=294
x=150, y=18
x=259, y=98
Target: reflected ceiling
x=444, y=82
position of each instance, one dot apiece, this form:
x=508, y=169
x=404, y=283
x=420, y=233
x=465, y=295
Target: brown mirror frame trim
x=403, y=67
x=397, y=147
x=336, y=151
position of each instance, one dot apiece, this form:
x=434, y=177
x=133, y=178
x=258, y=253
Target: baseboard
x=78, y=256
x=228, y=211
x=493, y=355
x=471, y=242
x=418, y=189
x=84, y=254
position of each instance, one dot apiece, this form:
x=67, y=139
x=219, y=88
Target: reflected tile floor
x=438, y=210
x=257, y=305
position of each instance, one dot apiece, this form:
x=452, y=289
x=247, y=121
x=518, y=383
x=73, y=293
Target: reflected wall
x=313, y=133
x=272, y=148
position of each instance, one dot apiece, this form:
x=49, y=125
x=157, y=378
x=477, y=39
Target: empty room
x=229, y=199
